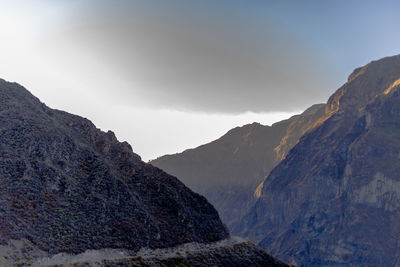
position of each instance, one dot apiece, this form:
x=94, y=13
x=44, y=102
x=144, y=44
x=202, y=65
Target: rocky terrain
x=67, y=187
x=335, y=198
x=228, y=171
x=231, y=251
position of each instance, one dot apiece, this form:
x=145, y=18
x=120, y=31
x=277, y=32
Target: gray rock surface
x=228, y=252
x=335, y=199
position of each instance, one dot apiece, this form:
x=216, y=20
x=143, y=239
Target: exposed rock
x=20, y=253
x=66, y=186
x=297, y=128
x=228, y=252
x=335, y=198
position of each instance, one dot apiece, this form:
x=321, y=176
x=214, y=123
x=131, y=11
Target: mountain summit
x=335, y=198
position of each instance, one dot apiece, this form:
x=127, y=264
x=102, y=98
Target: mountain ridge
x=324, y=203
x=229, y=170
x=54, y=164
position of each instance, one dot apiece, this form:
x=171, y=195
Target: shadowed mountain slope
x=67, y=186
x=335, y=198
x=227, y=171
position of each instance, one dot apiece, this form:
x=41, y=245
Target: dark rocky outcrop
x=335, y=198
x=228, y=171
x=66, y=186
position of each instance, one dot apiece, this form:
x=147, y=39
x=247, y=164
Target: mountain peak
x=364, y=84
x=322, y=204
x=228, y=171
x=66, y=186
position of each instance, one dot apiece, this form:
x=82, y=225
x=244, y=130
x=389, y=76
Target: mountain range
x=335, y=198
x=331, y=195
x=228, y=171
x=68, y=188
x=319, y=189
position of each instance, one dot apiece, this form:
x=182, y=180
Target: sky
x=170, y=75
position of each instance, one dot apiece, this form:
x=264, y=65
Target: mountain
x=68, y=187
x=335, y=198
x=228, y=171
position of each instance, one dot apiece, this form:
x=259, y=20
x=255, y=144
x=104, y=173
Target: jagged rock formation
x=66, y=186
x=227, y=171
x=335, y=198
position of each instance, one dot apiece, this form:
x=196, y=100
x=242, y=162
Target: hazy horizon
x=167, y=76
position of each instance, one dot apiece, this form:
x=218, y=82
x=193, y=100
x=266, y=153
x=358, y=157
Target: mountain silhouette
x=229, y=170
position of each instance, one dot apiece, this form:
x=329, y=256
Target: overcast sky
x=169, y=75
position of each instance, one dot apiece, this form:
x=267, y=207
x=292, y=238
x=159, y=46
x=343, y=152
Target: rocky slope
x=298, y=126
x=228, y=171
x=335, y=198
x=67, y=186
x=69, y=190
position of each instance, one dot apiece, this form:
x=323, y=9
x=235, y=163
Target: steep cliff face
x=227, y=171
x=66, y=186
x=335, y=198
x=297, y=128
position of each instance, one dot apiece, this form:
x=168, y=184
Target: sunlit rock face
x=66, y=186
x=229, y=170
x=297, y=128
x=334, y=199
